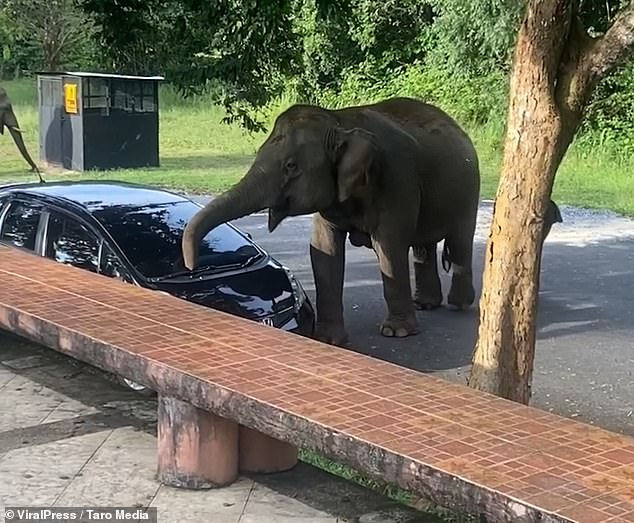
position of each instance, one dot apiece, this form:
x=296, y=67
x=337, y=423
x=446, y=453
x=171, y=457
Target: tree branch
x=586, y=62
x=614, y=46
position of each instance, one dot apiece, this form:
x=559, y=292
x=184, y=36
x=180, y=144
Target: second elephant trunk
x=16, y=134
x=255, y=192
x=9, y=120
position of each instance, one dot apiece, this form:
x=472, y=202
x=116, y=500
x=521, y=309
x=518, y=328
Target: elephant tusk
x=17, y=129
x=275, y=218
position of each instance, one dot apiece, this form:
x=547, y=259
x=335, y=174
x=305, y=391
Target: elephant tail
x=446, y=258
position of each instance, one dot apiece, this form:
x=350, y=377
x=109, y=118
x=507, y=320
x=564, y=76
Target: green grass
x=197, y=152
x=593, y=174
x=200, y=154
x=397, y=494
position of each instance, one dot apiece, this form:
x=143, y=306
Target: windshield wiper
x=209, y=269
x=187, y=272
x=251, y=260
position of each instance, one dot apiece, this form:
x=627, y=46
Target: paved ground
x=585, y=350
x=69, y=437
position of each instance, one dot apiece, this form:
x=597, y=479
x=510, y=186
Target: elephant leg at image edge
x=460, y=252
x=327, y=257
x=428, y=293
x=394, y=263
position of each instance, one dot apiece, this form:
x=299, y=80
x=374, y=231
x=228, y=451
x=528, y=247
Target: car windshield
x=150, y=236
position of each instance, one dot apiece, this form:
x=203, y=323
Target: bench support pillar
x=196, y=449
x=262, y=454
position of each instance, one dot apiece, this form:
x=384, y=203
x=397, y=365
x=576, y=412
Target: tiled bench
x=235, y=395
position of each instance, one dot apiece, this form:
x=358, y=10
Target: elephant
x=553, y=215
x=10, y=121
x=394, y=175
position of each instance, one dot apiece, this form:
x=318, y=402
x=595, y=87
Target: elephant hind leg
x=460, y=255
x=428, y=293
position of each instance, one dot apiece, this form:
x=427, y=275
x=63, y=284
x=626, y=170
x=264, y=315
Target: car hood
x=251, y=294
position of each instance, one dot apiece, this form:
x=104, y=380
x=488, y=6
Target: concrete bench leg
x=262, y=454
x=196, y=449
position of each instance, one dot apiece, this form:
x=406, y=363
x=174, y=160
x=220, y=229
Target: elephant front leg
x=327, y=256
x=428, y=294
x=394, y=264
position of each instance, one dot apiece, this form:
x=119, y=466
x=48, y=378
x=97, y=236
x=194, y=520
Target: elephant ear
x=356, y=153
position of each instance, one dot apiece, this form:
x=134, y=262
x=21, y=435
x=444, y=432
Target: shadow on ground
x=592, y=296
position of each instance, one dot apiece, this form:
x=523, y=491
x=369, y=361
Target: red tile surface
x=565, y=469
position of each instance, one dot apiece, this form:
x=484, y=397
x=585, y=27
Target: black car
x=133, y=232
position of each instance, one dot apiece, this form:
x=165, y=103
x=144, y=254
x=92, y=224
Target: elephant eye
x=291, y=165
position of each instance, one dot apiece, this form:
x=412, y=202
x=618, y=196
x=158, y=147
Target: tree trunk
x=555, y=68
x=503, y=359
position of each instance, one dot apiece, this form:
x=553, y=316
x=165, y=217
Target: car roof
x=95, y=195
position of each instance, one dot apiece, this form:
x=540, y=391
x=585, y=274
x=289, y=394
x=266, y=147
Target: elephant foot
x=332, y=333
x=462, y=294
x=458, y=308
x=427, y=303
x=396, y=328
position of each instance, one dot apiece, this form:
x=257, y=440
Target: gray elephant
x=553, y=215
x=394, y=175
x=9, y=120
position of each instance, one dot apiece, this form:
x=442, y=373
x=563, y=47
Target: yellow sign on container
x=70, y=98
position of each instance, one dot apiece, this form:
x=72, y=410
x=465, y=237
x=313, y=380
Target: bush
x=471, y=100
x=610, y=115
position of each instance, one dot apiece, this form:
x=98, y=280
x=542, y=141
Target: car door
x=111, y=265
x=20, y=224
x=67, y=240
x=70, y=242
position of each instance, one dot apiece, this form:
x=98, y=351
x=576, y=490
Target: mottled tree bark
x=556, y=67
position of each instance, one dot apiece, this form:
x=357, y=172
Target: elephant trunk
x=9, y=120
x=255, y=192
x=16, y=134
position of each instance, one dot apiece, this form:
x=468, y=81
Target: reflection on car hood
x=251, y=294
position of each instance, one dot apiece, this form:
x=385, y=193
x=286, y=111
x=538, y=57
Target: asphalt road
x=585, y=349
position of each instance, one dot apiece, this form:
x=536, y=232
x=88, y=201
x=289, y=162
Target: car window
x=112, y=266
x=21, y=223
x=150, y=237
x=69, y=242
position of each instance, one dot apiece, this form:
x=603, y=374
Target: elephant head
x=307, y=164
x=9, y=120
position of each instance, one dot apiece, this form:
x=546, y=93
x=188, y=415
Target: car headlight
x=299, y=294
